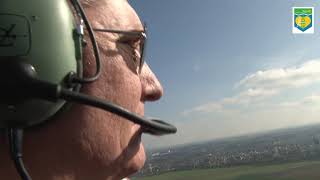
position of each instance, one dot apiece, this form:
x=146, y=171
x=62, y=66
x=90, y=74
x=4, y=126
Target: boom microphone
x=20, y=82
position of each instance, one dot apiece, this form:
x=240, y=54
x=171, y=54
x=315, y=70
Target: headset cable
x=15, y=136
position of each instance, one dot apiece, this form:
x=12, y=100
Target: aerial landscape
x=292, y=153
x=242, y=92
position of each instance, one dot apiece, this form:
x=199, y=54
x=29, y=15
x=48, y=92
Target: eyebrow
x=118, y=31
x=125, y=34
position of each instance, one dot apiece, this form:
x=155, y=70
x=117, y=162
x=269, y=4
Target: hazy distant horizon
x=161, y=147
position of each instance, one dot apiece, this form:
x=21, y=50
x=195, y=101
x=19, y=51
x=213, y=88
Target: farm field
x=307, y=170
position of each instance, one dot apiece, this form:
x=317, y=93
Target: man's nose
x=151, y=87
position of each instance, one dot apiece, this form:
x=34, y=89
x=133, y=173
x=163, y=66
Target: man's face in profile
x=114, y=141
x=86, y=142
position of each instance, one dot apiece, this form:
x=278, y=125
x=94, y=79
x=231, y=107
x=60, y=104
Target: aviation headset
x=41, y=69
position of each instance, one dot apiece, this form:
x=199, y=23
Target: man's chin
x=134, y=154
x=138, y=160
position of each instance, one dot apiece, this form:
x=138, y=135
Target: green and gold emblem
x=303, y=18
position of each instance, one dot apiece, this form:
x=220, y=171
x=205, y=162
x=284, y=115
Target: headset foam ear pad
x=42, y=33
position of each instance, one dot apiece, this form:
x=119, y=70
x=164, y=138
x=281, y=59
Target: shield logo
x=303, y=21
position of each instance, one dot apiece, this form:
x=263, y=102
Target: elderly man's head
x=89, y=143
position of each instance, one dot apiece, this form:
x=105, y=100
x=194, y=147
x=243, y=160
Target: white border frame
x=298, y=31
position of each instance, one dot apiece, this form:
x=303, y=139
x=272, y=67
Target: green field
x=307, y=170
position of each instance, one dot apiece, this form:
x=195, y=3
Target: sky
x=230, y=67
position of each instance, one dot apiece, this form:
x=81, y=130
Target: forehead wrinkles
x=114, y=14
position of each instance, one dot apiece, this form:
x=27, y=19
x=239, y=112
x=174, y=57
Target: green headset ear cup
x=42, y=32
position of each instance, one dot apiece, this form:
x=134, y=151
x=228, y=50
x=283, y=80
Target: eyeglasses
x=142, y=38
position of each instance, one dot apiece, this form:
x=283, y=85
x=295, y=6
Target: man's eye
x=133, y=46
x=128, y=39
